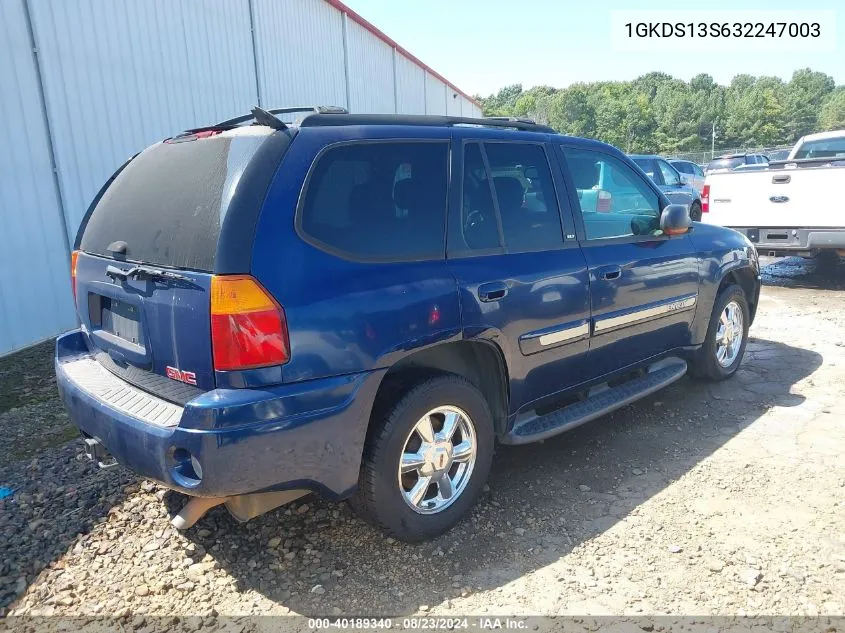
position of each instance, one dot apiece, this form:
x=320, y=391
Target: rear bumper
x=794, y=239
x=307, y=435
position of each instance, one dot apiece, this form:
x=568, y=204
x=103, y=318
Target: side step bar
x=603, y=400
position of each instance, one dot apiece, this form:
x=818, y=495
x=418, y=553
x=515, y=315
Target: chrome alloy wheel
x=437, y=460
x=729, y=334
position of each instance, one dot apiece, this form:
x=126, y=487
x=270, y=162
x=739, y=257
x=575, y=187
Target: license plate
x=121, y=319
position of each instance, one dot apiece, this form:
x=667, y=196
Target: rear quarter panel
x=346, y=316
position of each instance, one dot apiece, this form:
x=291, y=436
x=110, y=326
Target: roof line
x=337, y=4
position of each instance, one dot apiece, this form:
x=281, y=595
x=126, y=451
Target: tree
x=658, y=113
x=832, y=115
x=805, y=94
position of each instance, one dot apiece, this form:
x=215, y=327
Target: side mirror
x=675, y=219
x=683, y=180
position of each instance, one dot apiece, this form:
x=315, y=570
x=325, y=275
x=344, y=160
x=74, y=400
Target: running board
x=603, y=400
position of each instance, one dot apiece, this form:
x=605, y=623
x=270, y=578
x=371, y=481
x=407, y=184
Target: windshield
x=823, y=148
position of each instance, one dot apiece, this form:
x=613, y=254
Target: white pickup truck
x=790, y=207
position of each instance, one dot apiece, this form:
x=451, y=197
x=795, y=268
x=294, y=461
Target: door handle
x=610, y=273
x=493, y=291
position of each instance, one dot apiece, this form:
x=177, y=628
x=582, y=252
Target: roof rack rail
x=265, y=117
x=319, y=119
x=291, y=110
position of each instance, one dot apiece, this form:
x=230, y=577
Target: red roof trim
x=337, y=4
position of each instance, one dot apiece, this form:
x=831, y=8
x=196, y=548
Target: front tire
x=425, y=464
x=727, y=335
x=695, y=212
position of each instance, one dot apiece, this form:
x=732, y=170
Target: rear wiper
x=144, y=272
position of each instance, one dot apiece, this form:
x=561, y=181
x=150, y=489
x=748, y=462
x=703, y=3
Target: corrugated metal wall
x=118, y=76
x=299, y=48
x=410, y=86
x=35, y=298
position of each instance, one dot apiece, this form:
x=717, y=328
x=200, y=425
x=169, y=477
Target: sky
x=481, y=46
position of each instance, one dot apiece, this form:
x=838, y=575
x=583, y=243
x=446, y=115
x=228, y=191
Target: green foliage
x=658, y=113
x=832, y=116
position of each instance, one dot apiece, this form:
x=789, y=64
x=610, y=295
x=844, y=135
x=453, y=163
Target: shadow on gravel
x=819, y=273
x=543, y=501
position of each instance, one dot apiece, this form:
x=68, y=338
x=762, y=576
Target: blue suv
x=362, y=305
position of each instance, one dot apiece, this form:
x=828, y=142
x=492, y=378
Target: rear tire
x=695, y=212
x=392, y=493
x=722, y=352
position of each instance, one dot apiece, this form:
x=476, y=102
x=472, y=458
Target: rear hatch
x=148, y=249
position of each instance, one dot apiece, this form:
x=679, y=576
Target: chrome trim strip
x=645, y=314
x=566, y=334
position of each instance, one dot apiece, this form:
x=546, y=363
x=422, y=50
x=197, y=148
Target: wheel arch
x=482, y=363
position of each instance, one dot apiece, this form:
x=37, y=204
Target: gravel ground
x=701, y=499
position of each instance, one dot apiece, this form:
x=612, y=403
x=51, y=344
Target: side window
x=378, y=201
x=522, y=182
x=698, y=171
x=670, y=176
x=614, y=200
x=479, y=222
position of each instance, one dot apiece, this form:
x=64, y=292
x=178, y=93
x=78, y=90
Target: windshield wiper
x=144, y=272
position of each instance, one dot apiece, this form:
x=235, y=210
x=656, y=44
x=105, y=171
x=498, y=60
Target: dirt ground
x=707, y=499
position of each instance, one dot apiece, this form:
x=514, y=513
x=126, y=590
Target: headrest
x=509, y=191
x=584, y=172
x=404, y=193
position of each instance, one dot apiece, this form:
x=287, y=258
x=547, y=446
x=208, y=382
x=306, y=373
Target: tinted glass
x=670, y=176
x=379, y=201
x=522, y=182
x=168, y=203
x=614, y=200
x=827, y=148
x=649, y=166
x=725, y=163
x=479, y=223
x=684, y=168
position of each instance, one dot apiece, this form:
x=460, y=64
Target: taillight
x=73, y=257
x=604, y=202
x=248, y=328
x=705, y=199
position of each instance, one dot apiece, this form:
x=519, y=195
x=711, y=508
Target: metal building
x=87, y=83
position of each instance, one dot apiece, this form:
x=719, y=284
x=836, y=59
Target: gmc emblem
x=188, y=377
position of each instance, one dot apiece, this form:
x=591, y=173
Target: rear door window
x=510, y=200
x=168, y=204
x=378, y=201
x=522, y=182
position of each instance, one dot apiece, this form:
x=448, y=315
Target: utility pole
x=713, y=143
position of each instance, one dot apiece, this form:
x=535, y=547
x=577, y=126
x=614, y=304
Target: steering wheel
x=474, y=220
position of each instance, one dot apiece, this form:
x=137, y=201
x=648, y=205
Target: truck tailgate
x=792, y=197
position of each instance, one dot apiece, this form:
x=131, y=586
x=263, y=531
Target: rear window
x=168, y=203
x=827, y=148
x=378, y=201
x=725, y=163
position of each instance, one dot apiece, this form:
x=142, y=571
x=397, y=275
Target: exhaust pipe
x=241, y=507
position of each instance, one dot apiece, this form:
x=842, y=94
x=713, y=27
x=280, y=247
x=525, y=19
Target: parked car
x=671, y=182
x=361, y=305
x=692, y=173
x=732, y=161
x=786, y=207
